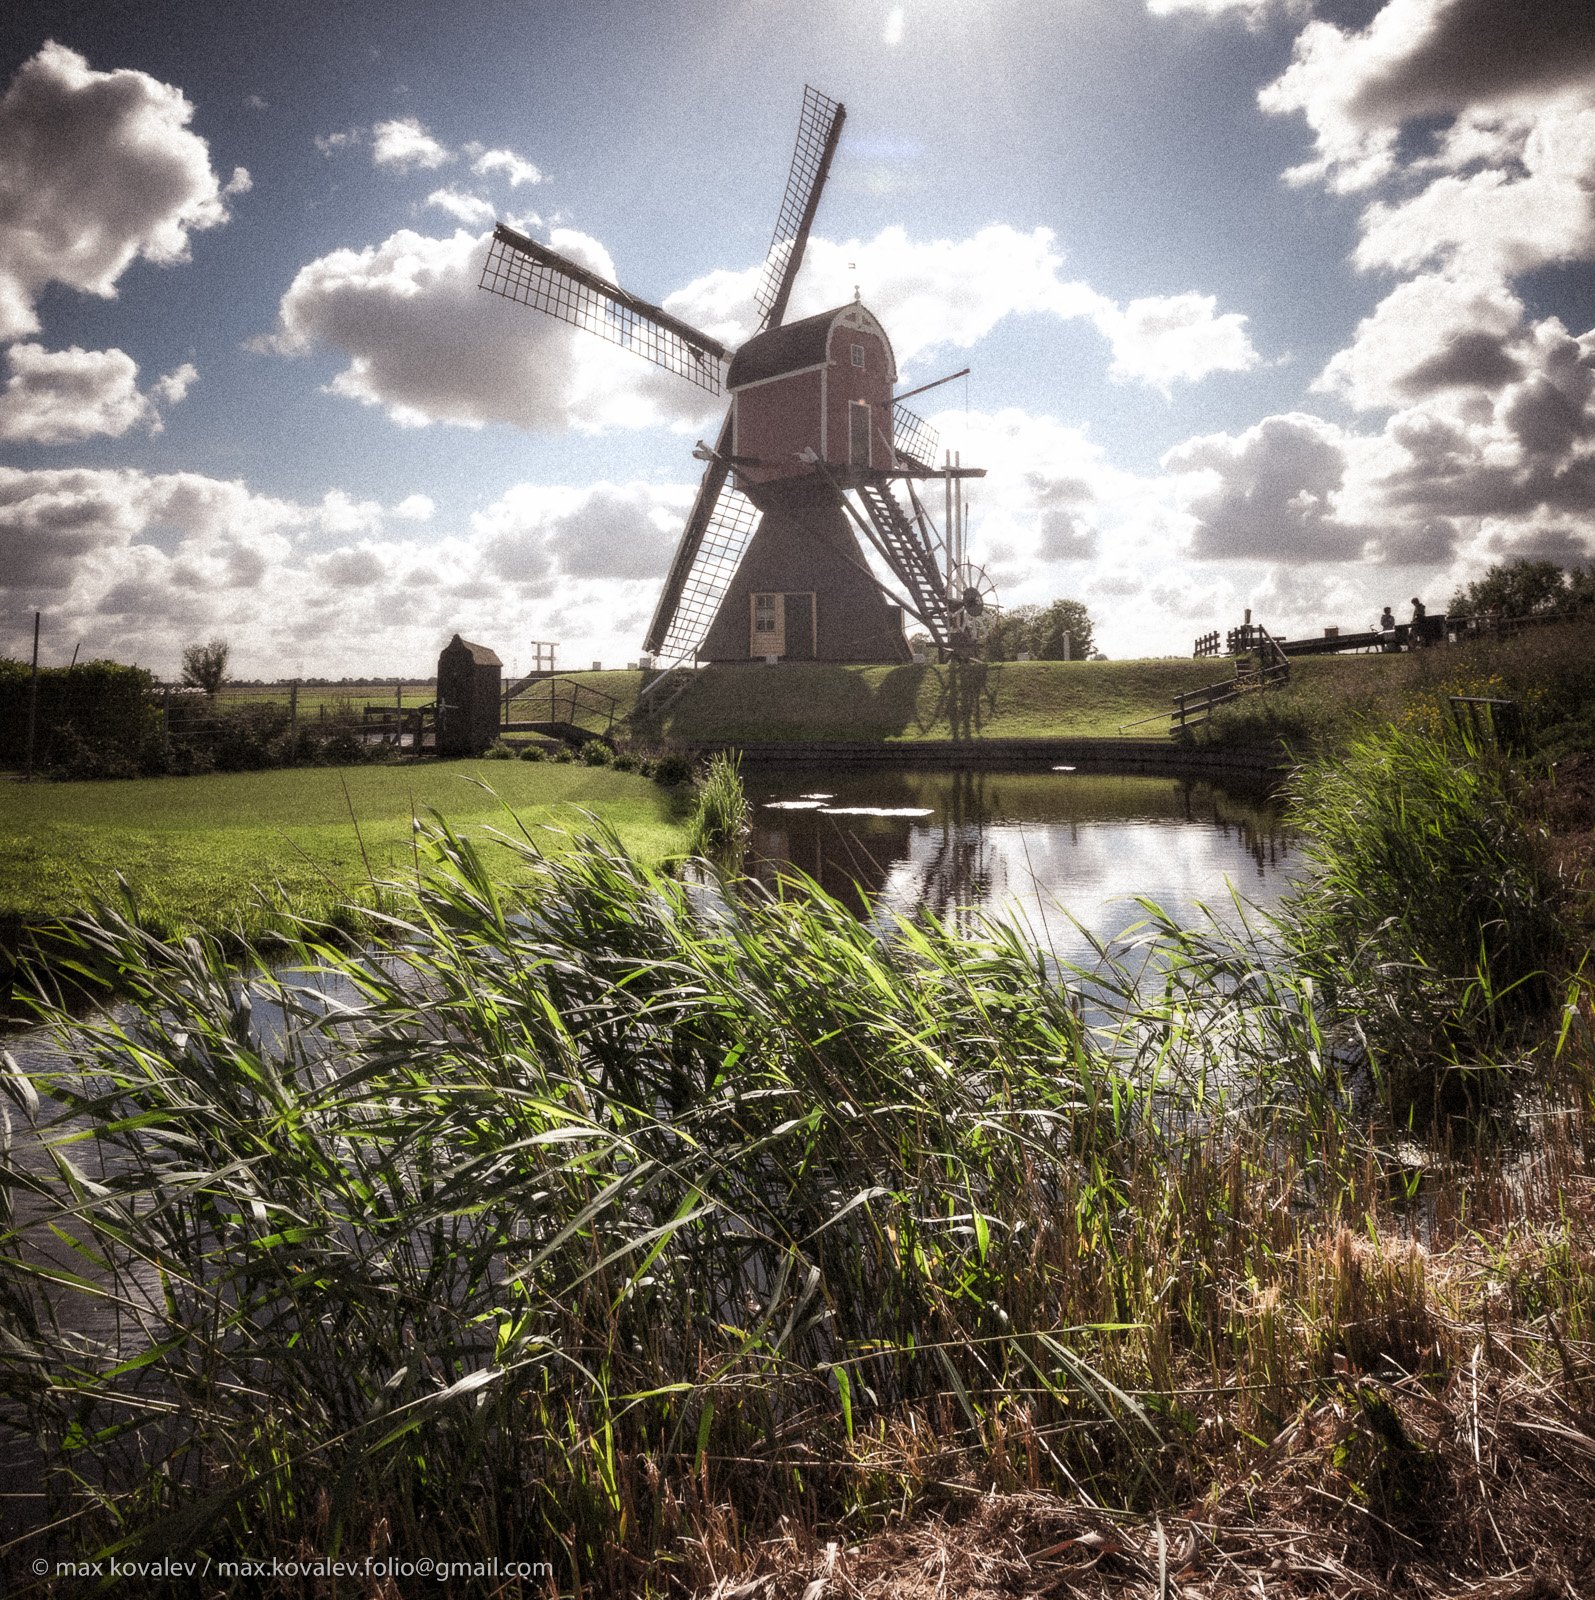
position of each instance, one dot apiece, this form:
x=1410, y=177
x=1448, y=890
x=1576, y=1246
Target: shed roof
x=793, y=346
x=480, y=655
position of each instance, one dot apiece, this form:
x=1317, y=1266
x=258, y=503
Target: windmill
x=807, y=461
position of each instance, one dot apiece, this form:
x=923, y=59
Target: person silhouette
x=1387, y=620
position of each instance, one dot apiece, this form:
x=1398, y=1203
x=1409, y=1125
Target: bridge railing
x=563, y=700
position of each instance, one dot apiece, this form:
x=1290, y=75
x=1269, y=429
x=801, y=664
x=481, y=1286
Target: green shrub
x=625, y=761
x=670, y=769
x=499, y=751
x=595, y=753
x=533, y=752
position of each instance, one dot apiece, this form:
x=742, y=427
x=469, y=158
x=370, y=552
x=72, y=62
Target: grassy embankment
x=230, y=851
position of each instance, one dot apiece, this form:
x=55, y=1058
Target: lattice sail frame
x=817, y=128
x=726, y=536
x=914, y=439
x=522, y=270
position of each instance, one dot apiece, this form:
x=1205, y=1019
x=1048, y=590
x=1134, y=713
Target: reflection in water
x=1043, y=847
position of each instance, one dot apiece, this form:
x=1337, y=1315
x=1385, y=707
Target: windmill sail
x=719, y=527
x=531, y=274
x=723, y=520
x=819, y=127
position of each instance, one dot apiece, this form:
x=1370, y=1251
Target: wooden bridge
x=566, y=709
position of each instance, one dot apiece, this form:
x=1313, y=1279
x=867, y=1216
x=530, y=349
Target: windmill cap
x=796, y=345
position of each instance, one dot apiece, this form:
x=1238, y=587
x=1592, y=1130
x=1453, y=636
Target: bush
x=670, y=769
x=595, y=753
x=533, y=752
x=499, y=751
x=625, y=761
x=100, y=704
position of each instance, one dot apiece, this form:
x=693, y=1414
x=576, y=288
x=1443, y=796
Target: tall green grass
x=721, y=815
x=1429, y=914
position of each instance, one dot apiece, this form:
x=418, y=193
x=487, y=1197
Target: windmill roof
x=789, y=348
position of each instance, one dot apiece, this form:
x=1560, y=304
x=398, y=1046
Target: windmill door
x=769, y=626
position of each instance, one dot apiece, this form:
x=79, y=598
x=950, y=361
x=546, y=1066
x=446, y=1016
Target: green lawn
x=226, y=851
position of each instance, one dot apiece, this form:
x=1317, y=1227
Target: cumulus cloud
x=1422, y=58
x=1163, y=339
x=405, y=144
x=1524, y=201
x=136, y=564
x=427, y=345
x=1271, y=492
x=97, y=169
x=1252, y=12
x=470, y=209
x=64, y=396
x=936, y=293
x=1430, y=334
x=516, y=168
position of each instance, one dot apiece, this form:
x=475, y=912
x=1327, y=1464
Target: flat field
x=231, y=849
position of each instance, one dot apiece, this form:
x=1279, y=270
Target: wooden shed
x=469, y=684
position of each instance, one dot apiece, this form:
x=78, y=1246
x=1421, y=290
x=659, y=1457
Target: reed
x=721, y=815
x=1429, y=914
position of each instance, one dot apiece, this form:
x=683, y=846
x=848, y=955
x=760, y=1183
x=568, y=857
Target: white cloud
x=1252, y=12
x=405, y=144
x=172, y=387
x=1431, y=334
x=470, y=209
x=514, y=167
x=65, y=396
x=1527, y=204
x=135, y=565
x=892, y=32
x=931, y=294
x=1427, y=58
x=426, y=344
x=415, y=508
x=1168, y=338
x=96, y=170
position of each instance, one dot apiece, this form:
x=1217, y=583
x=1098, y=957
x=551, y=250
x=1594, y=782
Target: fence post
x=293, y=721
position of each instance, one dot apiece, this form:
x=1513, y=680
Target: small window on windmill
x=764, y=613
x=858, y=355
x=858, y=433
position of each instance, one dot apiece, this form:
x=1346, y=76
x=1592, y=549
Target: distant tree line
x=1058, y=632
x=1524, y=588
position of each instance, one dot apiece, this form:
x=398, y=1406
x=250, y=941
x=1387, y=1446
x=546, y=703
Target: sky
x=1286, y=305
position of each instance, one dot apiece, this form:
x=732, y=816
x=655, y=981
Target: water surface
x=1045, y=847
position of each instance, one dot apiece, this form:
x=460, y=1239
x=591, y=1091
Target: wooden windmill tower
x=808, y=459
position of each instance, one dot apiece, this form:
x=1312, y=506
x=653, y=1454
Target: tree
x=205, y=666
x=1513, y=589
x=1039, y=631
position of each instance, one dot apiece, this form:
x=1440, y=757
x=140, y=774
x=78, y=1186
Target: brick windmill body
x=770, y=565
